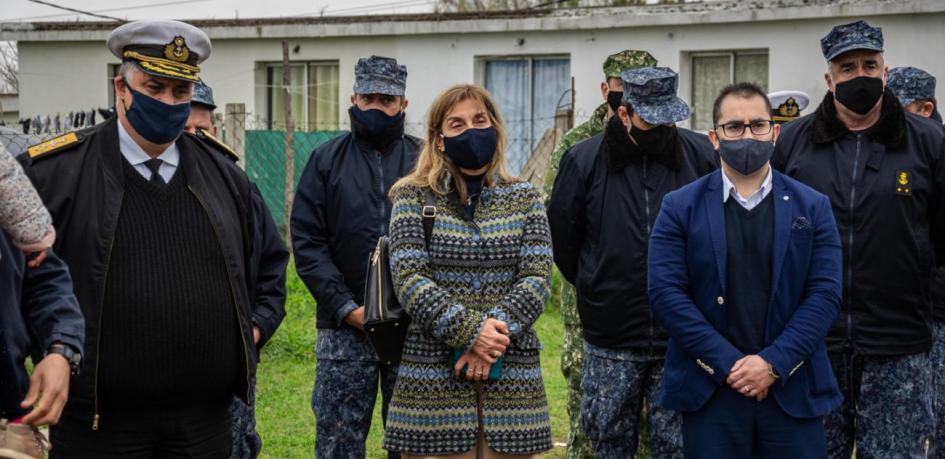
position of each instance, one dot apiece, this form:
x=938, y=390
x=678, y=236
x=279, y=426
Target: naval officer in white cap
x=157, y=230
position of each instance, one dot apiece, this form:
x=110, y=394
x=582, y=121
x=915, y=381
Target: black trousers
x=198, y=430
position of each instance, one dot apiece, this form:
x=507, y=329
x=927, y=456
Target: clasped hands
x=491, y=343
x=751, y=376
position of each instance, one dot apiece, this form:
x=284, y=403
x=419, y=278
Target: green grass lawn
x=287, y=370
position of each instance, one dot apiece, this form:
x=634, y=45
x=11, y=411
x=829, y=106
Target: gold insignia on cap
x=177, y=50
x=903, y=184
x=52, y=145
x=164, y=67
x=787, y=111
x=789, y=108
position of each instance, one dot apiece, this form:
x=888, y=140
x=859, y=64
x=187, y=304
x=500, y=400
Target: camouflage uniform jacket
x=590, y=128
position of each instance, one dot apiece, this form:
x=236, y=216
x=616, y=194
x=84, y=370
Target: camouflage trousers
x=618, y=385
x=572, y=358
x=937, y=355
x=246, y=442
x=886, y=410
x=343, y=402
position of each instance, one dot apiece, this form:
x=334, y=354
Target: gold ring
x=746, y=389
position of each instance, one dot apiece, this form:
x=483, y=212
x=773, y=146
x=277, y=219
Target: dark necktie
x=154, y=165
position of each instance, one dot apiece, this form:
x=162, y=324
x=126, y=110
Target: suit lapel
x=715, y=212
x=783, y=219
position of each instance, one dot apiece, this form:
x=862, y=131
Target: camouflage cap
x=380, y=75
x=652, y=93
x=203, y=95
x=910, y=84
x=849, y=37
x=627, y=59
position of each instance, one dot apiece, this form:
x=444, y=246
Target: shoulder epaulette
x=53, y=145
x=224, y=148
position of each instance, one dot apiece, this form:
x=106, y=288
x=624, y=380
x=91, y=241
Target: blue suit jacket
x=687, y=277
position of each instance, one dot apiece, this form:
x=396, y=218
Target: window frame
x=480, y=74
x=111, y=70
x=270, y=67
x=732, y=54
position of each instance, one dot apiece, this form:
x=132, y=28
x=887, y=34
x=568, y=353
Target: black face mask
x=745, y=155
x=654, y=141
x=376, y=127
x=860, y=94
x=614, y=99
x=473, y=149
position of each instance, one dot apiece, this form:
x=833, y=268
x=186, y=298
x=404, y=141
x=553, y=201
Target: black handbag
x=385, y=319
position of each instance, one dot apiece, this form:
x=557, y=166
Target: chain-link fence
x=262, y=147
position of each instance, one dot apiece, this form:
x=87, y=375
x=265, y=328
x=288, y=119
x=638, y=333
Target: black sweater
x=750, y=237
x=169, y=326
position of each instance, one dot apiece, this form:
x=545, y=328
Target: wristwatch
x=71, y=354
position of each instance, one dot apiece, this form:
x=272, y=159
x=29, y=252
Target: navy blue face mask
x=376, y=127
x=746, y=156
x=473, y=149
x=157, y=122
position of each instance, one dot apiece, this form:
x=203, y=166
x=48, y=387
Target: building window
x=314, y=96
x=712, y=71
x=112, y=73
x=528, y=90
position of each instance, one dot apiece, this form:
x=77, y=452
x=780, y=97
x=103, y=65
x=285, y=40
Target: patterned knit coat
x=496, y=265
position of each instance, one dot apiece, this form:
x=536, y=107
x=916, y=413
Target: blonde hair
x=432, y=166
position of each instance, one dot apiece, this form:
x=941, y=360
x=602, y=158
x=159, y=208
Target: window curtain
x=752, y=68
x=710, y=74
x=508, y=82
x=323, y=97
x=551, y=79
x=297, y=92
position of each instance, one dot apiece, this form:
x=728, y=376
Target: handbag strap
x=429, y=214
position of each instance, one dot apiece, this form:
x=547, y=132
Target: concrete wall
x=64, y=76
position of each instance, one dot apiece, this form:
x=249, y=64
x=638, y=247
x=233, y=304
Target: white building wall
x=64, y=76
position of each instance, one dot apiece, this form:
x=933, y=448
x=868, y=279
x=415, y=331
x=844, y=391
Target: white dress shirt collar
x=136, y=156
x=729, y=190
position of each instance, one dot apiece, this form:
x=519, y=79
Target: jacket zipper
x=856, y=163
x=646, y=202
x=98, y=344
x=236, y=304
x=380, y=189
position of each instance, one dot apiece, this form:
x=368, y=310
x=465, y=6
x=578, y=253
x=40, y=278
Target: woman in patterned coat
x=475, y=291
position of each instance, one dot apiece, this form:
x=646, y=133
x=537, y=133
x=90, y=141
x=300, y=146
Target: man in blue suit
x=745, y=274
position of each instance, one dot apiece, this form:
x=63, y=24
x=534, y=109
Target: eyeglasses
x=736, y=129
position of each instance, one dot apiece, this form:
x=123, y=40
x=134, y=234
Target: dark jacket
x=887, y=189
x=82, y=184
x=340, y=210
x=268, y=261
x=37, y=308
x=688, y=292
x=267, y=267
x=605, y=200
